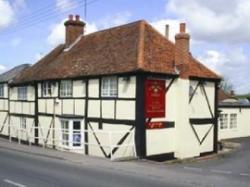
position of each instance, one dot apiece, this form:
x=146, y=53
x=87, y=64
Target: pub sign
x=154, y=98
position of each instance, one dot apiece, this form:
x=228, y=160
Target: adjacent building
x=234, y=118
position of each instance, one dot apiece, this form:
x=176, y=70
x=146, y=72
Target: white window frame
x=1, y=90
x=69, y=141
x=109, y=87
x=22, y=92
x=23, y=123
x=233, y=121
x=66, y=88
x=223, y=121
x=47, y=89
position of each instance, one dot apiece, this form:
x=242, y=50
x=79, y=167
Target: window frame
x=1, y=90
x=109, y=92
x=233, y=121
x=223, y=121
x=46, y=87
x=63, y=93
x=70, y=132
x=23, y=123
x=22, y=93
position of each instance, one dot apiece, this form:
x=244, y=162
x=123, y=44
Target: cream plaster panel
x=79, y=107
x=127, y=88
x=68, y=106
x=41, y=105
x=79, y=88
x=160, y=141
x=198, y=106
x=108, y=108
x=94, y=88
x=125, y=110
x=4, y=119
x=13, y=93
x=30, y=93
x=94, y=108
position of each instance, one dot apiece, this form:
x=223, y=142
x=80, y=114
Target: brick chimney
x=182, y=46
x=74, y=29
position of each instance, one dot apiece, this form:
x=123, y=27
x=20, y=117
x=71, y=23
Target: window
x=22, y=93
x=71, y=133
x=1, y=90
x=233, y=121
x=66, y=88
x=46, y=89
x=23, y=123
x=223, y=121
x=109, y=87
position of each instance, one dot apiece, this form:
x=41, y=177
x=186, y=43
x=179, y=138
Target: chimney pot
x=70, y=17
x=74, y=29
x=77, y=18
x=182, y=27
x=167, y=31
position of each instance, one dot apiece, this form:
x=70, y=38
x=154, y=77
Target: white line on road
x=220, y=171
x=14, y=183
x=245, y=174
x=193, y=168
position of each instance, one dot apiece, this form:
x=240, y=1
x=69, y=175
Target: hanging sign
x=154, y=98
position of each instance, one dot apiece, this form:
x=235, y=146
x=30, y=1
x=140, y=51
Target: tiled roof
x=13, y=73
x=128, y=48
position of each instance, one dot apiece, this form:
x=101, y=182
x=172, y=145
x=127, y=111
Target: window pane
x=109, y=87
x=66, y=88
x=1, y=90
x=76, y=133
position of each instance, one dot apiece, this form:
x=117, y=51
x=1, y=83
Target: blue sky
x=220, y=34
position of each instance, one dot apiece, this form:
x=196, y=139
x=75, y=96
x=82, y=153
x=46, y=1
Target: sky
x=219, y=29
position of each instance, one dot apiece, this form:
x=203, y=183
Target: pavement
x=31, y=166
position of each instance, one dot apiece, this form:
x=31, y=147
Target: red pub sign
x=154, y=98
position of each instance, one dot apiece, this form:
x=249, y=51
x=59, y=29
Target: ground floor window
x=233, y=121
x=23, y=122
x=72, y=135
x=223, y=121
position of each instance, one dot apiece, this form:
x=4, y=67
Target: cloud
x=232, y=63
x=216, y=21
x=38, y=56
x=65, y=5
x=57, y=32
x=173, y=27
x=9, y=10
x=114, y=20
x=2, y=67
x=6, y=14
x=15, y=42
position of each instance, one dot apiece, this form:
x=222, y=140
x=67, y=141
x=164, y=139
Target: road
x=25, y=166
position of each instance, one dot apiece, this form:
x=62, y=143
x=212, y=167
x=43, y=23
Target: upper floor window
x=223, y=121
x=109, y=87
x=66, y=88
x=1, y=90
x=46, y=89
x=233, y=121
x=22, y=93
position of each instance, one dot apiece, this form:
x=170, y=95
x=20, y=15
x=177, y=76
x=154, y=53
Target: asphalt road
x=24, y=166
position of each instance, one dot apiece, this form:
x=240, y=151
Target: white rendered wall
x=243, y=123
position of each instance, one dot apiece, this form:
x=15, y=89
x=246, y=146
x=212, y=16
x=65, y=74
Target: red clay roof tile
x=128, y=48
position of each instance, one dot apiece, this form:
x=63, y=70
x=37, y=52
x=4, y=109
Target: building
x=9, y=102
x=234, y=119
x=122, y=92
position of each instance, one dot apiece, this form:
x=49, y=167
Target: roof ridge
x=140, y=50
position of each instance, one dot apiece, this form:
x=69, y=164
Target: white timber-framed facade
x=103, y=113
